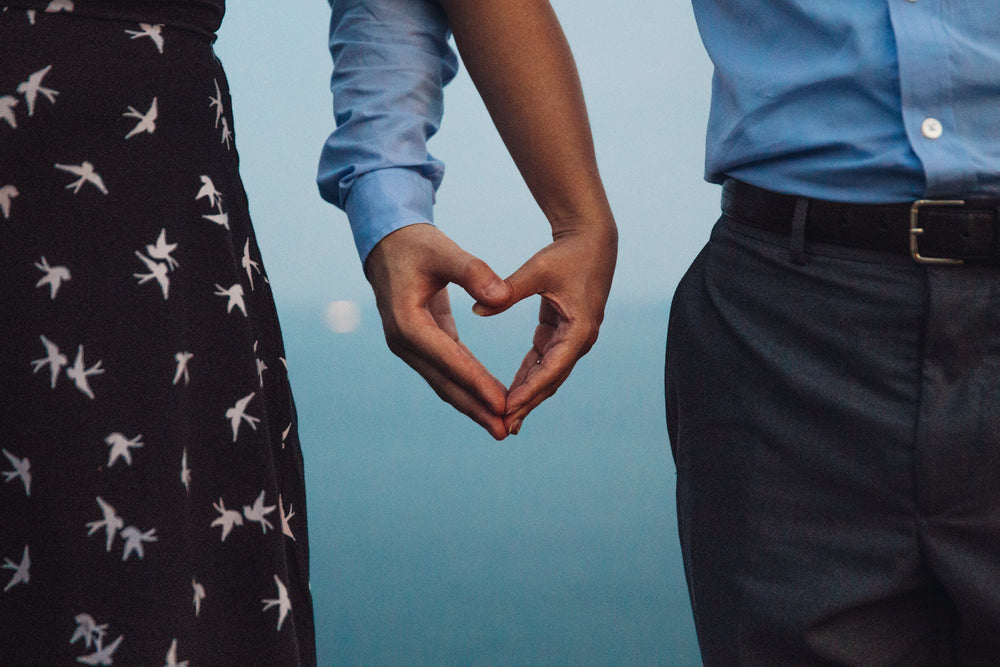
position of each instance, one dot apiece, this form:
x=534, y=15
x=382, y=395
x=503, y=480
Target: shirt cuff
x=382, y=201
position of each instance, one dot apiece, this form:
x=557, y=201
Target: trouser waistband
x=930, y=230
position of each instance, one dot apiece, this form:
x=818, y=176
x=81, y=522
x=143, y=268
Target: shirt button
x=931, y=128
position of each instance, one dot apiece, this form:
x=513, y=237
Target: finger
x=543, y=334
x=420, y=338
x=428, y=343
x=480, y=281
x=557, y=344
x=552, y=329
x=439, y=307
x=459, y=397
x=539, y=377
x=527, y=281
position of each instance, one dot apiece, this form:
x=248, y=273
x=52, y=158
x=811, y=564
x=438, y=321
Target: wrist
x=383, y=201
x=597, y=223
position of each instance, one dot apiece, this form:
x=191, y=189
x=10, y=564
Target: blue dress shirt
x=855, y=100
x=850, y=100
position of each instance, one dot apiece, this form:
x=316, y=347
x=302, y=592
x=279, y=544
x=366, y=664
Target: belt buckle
x=916, y=230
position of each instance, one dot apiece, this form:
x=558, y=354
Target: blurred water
x=433, y=544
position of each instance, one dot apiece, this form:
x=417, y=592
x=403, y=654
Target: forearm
x=520, y=61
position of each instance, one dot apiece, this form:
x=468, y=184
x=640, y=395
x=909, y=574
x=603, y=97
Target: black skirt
x=152, y=507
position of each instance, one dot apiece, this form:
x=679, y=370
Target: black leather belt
x=932, y=231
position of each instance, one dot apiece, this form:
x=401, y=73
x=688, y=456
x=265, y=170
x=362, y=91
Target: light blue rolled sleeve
x=391, y=62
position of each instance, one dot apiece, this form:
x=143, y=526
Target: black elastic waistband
x=199, y=16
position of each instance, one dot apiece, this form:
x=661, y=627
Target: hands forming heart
x=409, y=271
x=522, y=66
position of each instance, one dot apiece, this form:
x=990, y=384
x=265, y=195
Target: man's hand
x=521, y=63
x=573, y=276
x=409, y=270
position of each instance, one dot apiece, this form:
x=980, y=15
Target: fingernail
x=515, y=428
x=494, y=291
x=479, y=309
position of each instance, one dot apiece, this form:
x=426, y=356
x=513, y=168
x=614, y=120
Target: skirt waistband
x=200, y=16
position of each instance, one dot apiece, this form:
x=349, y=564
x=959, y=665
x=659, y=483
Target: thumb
x=484, y=285
x=520, y=285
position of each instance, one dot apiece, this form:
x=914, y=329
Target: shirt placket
x=926, y=85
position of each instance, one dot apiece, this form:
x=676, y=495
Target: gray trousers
x=835, y=422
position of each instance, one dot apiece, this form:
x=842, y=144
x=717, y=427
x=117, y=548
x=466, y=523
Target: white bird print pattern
x=261, y=366
x=102, y=656
x=237, y=415
x=7, y=194
x=226, y=519
x=227, y=134
x=157, y=271
x=33, y=87
x=152, y=30
x=208, y=191
x=121, y=447
x=235, y=296
x=22, y=570
x=282, y=602
x=55, y=360
x=22, y=471
x=7, y=104
x=147, y=121
x=259, y=512
x=172, y=656
x=182, y=359
x=78, y=373
x=199, y=594
x=248, y=263
x=60, y=6
x=85, y=170
x=111, y=523
x=88, y=630
x=216, y=102
x=285, y=517
x=162, y=250
x=54, y=276
x=185, y=471
x=221, y=219
x=134, y=539
x=96, y=238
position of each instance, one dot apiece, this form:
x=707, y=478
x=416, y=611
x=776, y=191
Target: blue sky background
x=430, y=542
x=646, y=79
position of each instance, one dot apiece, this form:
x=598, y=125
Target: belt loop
x=995, y=228
x=797, y=239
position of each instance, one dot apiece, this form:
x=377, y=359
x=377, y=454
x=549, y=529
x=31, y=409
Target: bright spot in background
x=343, y=316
